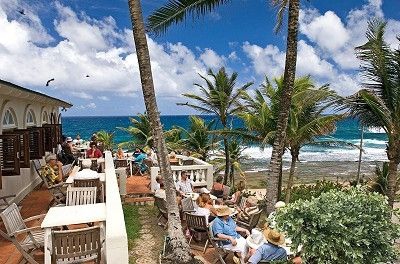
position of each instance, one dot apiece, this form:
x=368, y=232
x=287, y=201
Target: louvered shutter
x=36, y=142
x=24, y=155
x=48, y=137
x=9, y=154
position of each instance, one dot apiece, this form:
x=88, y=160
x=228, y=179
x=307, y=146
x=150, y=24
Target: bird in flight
x=21, y=11
x=87, y=76
x=48, y=82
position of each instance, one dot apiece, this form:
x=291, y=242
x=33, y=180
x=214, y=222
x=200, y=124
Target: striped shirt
x=246, y=214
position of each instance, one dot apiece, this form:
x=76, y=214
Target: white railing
x=116, y=238
x=201, y=172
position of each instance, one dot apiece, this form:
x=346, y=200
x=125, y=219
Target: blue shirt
x=228, y=228
x=268, y=251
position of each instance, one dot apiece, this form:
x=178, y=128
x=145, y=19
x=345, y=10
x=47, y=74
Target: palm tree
x=141, y=132
x=220, y=98
x=180, y=252
x=306, y=121
x=176, y=11
x=106, y=139
x=378, y=104
x=197, y=139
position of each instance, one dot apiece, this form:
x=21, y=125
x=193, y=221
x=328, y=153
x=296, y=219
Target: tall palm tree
x=219, y=97
x=378, y=103
x=180, y=252
x=141, y=132
x=176, y=11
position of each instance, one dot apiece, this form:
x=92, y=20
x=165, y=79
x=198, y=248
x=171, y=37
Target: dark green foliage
x=351, y=226
x=307, y=192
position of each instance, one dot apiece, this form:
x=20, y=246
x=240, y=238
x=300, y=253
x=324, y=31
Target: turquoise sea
x=347, y=130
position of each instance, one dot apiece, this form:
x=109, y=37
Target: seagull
x=48, y=82
x=87, y=76
x=22, y=12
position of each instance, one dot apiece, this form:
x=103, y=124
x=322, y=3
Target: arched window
x=9, y=120
x=45, y=118
x=30, y=118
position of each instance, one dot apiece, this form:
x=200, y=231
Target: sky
x=87, y=47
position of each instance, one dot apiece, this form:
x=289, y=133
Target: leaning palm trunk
x=180, y=248
x=393, y=154
x=227, y=160
x=289, y=185
x=289, y=77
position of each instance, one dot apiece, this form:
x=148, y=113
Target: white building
x=30, y=126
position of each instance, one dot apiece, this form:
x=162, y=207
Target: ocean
x=348, y=130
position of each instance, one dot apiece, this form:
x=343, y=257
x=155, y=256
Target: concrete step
x=139, y=200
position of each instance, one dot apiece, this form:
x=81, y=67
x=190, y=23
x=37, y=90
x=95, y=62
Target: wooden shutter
x=48, y=137
x=9, y=154
x=24, y=155
x=36, y=142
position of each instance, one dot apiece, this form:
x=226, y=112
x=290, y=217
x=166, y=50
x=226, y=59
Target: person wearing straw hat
x=224, y=227
x=271, y=249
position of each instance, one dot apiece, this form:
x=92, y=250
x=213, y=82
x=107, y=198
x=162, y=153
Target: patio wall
x=201, y=172
x=116, y=238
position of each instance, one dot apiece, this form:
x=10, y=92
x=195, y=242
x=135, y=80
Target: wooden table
x=71, y=215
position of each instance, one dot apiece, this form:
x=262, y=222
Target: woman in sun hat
x=225, y=227
x=271, y=249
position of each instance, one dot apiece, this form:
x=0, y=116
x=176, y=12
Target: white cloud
x=211, y=59
x=91, y=105
x=82, y=95
x=104, y=98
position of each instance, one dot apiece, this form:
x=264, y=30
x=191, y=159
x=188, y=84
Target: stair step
x=140, y=200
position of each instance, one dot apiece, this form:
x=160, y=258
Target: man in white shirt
x=184, y=185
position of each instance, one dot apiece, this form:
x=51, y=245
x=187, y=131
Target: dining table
x=71, y=215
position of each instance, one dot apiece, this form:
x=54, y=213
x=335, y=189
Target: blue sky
x=67, y=40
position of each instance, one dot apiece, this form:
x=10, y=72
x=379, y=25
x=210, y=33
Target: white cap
x=204, y=190
x=69, y=139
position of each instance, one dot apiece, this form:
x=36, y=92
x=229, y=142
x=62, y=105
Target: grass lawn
x=132, y=223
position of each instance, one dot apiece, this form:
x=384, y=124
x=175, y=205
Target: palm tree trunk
x=180, y=248
x=393, y=154
x=232, y=175
x=227, y=160
x=295, y=156
x=288, y=79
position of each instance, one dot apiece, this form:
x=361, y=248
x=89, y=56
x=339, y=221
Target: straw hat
x=256, y=239
x=252, y=200
x=274, y=237
x=49, y=157
x=223, y=211
x=279, y=204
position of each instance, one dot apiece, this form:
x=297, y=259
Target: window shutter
x=48, y=138
x=9, y=154
x=36, y=142
x=24, y=155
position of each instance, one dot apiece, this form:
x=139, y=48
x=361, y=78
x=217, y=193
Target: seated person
x=68, y=150
x=156, y=185
x=184, y=185
x=160, y=193
x=86, y=172
x=224, y=227
x=53, y=170
x=139, y=157
x=218, y=188
x=151, y=154
x=271, y=217
x=270, y=250
x=249, y=209
x=120, y=154
x=236, y=196
x=204, y=204
x=93, y=152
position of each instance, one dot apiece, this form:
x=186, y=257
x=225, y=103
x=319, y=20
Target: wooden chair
x=94, y=165
x=216, y=243
x=241, y=202
x=227, y=191
x=56, y=190
x=252, y=223
x=197, y=224
x=121, y=163
x=81, y=195
x=95, y=182
x=25, y=239
x=162, y=210
x=187, y=205
x=5, y=203
x=76, y=246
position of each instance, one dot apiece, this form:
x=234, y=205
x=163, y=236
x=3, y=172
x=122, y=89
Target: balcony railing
x=201, y=172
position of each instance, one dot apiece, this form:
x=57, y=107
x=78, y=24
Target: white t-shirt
x=203, y=211
x=184, y=186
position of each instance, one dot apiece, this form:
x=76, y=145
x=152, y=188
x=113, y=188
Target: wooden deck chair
x=56, y=190
x=76, y=246
x=81, y=195
x=4, y=203
x=227, y=191
x=162, y=211
x=242, y=202
x=197, y=224
x=187, y=205
x=216, y=243
x=95, y=182
x=25, y=239
x=121, y=163
x=252, y=223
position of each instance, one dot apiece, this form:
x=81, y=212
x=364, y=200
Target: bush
x=352, y=226
x=306, y=192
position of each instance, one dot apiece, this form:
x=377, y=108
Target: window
x=9, y=120
x=45, y=118
x=30, y=118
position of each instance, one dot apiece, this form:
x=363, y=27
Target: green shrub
x=352, y=226
x=306, y=192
